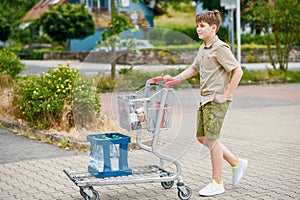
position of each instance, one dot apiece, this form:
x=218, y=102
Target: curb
x=52, y=138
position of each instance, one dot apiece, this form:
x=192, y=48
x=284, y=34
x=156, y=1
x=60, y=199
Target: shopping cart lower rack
x=149, y=109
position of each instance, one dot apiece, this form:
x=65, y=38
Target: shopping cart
x=147, y=109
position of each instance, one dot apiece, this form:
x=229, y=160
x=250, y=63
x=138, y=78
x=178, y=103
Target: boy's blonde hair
x=210, y=17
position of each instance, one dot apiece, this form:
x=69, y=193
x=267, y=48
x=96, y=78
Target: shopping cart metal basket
x=148, y=109
x=141, y=109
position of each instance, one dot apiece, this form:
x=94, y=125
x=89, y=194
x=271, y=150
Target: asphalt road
x=38, y=66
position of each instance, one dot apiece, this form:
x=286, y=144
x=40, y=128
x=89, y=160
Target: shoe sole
x=210, y=195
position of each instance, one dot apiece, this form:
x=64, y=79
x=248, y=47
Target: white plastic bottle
x=93, y=155
x=114, y=157
x=99, y=159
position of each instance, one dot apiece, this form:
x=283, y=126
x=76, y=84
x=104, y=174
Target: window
x=125, y=3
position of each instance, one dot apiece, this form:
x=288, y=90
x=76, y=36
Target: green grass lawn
x=185, y=17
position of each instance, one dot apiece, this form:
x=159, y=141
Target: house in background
x=141, y=14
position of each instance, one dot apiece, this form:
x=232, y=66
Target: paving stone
x=260, y=127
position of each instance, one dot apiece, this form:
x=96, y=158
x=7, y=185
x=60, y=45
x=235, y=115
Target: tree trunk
x=268, y=41
x=113, y=63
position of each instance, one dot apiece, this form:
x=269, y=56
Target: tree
x=10, y=63
x=118, y=24
x=5, y=29
x=280, y=20
x=11, y=12
x=68, y=21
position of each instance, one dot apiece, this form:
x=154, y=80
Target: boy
x=215, y=63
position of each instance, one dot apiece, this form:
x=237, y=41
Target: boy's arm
x=186, y=74
x=237, y=74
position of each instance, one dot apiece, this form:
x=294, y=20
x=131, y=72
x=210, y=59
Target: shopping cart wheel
x=185, y=195
x=87, y=197
x=167, y=184
x=82, y=192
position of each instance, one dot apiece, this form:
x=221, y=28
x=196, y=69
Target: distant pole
x=230, y=5
x=231, y=30
x=238, y=29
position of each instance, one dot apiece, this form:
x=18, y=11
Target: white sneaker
x=238, y=171
x=212, y=189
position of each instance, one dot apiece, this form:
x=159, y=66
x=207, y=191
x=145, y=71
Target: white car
x=126, y=45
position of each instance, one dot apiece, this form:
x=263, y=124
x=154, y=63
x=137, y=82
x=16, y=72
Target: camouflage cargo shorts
x=210, y=118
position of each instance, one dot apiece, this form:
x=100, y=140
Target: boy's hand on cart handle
x=171, y=82
x=168, y=78
x=154, y=80
x=160, y=79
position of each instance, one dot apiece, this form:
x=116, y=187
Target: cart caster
x=167, y=185
x=184, y=192
x=89, y=194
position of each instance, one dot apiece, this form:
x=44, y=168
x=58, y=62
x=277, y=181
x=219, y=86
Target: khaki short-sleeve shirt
x=214, y=63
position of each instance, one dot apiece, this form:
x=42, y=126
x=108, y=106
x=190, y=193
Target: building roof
x=42, y=6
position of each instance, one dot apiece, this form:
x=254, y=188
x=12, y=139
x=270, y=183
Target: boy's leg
x=215, y=115
x=216, y=156
x=216, y=185
x=227, y=155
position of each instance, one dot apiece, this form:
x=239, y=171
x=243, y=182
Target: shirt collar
x=211, y=42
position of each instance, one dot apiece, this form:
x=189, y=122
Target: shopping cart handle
x=171, y=82
x=154, y=80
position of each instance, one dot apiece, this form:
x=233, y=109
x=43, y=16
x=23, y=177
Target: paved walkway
x=262, y=126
